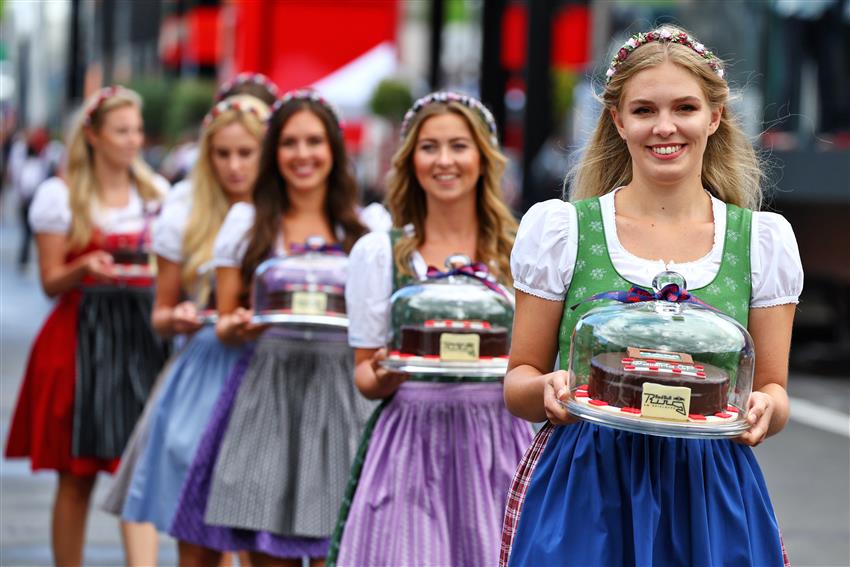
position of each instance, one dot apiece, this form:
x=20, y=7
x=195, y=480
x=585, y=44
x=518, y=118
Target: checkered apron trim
x=519, y=486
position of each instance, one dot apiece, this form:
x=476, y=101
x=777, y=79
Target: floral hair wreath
x=102, y=96
x=450, y=96
x=307, y=94
x=246, y=78
x=664, y=35
x=230, y=104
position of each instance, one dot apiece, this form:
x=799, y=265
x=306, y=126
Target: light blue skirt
x=178, y=421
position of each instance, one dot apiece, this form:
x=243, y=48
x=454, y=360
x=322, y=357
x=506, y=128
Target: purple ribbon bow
x=298, y=248
x=670, y=292
x=477, y=270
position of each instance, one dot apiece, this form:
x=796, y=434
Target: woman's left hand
x=759, y=414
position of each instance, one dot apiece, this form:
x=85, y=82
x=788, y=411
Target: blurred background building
x=535, y=63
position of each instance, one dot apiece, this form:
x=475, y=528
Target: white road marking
x=815, y=415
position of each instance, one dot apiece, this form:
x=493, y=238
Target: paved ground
x=806, y=466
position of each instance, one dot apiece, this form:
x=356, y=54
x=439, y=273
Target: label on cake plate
x=665, y=402
x=455, y=347
x=309, y=303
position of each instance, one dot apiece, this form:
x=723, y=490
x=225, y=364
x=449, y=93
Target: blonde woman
x=95, y=360
x=668, y=182
x=224, y=174
x=445, y=198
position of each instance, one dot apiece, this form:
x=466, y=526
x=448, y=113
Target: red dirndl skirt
x=43, y=422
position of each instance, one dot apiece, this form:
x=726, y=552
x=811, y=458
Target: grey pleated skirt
x=287, y=452
x=118, y=359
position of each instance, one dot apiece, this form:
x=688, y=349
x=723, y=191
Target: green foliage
x=391, y=100
x=156, y=95
x=189, y=102
x=563, y=83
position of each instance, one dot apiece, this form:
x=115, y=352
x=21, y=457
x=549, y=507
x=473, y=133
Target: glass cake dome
x=307, y=287
x=456, y=322
x=662, y=367
x=132, y=256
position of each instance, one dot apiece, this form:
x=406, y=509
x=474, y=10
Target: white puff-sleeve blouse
x=170, y=227
x=369, y=287
x=544, y=254
x=50, y=211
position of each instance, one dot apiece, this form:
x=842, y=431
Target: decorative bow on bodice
x=298, y=248
x=478, y=271
x=670, y=292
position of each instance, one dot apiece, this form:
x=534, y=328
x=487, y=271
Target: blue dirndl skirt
x=600, y=496
x=179, y=419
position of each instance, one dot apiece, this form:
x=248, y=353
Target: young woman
x=270, y=472
x=224, y=174
x=445, y=193
x=95, y=360
x=668, y=182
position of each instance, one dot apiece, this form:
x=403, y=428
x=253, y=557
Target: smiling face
x=665, y=119
x=119, y=137
x=446, y=160
x=304, y=155
x=235, y=157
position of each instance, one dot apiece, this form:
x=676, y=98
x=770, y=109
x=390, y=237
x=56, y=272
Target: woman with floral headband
x=232, y=134
x=445, y=198
x=94, y=361
x=668, y=182
x=272, y=466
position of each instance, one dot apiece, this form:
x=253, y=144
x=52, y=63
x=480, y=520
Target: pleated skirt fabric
x=601, y=496
x=113, y=502
x=43, y=421
x=435, y=478
x=273, y=464
x=119, y=358
x=178, y=420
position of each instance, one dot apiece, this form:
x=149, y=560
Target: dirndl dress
x=432, y=476
x=90, y=372
x=271, y=470
x=177, y=421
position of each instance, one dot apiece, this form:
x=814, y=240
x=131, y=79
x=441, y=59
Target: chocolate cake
x=617, y=378
x=282, y=301
x=130, y=256
x=424, y=339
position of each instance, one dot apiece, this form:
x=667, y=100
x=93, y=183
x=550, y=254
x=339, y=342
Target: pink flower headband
x=102, y=96
x=663, y=35
x=230, y=104
x=307, y=94
x=450, y=96
x=245, y=78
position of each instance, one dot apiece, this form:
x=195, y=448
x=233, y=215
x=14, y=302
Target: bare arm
x=768, y=409
x=532, y=389
x=56, y=275
x=374, y=381
x=234, y=323
x=170, y=317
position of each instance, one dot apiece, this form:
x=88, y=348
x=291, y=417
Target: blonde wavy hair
x=406, y=199
x=84, y=187
x=731, y=170
x=209, y=200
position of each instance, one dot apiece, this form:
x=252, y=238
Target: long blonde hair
x=730, y=167
x=84, y=187
x=406, y=198
x=209, y=201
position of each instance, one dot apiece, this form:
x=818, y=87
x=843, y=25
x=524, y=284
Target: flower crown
x=307, y=94
x=450, y=96
x=102, y=96
x=663, y=35
x=246, y=78
x=231, y=103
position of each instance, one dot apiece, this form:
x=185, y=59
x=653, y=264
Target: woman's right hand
x=555, y=394
x=98, y=264
x=184, y=318
x=387, y=380
x=237, y=328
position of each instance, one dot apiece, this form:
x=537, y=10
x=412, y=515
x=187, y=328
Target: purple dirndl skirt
x=435, y=478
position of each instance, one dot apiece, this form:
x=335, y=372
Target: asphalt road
x=807, y=466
